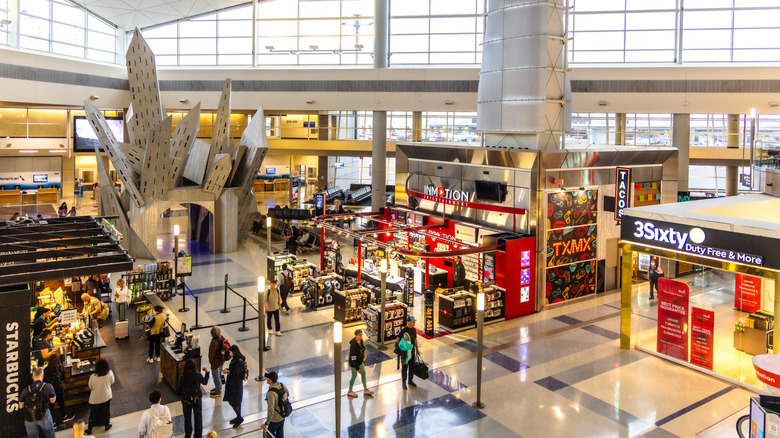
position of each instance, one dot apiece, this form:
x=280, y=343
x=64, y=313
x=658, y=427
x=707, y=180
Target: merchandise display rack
x=301, y=272
x=318, y=292
x=457, y=311
x=494, y=303
x=276, y=261
x=348, y=304
x=395, y=320
x=164, y=281
x=140, y=280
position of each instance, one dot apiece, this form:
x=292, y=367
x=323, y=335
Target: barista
x=43, y=346
x=43, y=320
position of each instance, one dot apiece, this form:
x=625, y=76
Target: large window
x=357, y=170
x=631, y=31
x=4, y=22
x=446, y=126
x=436, y=31
x=57, y=26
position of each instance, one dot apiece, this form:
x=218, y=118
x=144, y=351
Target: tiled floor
x=558, y=373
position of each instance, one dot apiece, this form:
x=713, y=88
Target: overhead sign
x=441, y=192
x=708, y=243
x=622, y=191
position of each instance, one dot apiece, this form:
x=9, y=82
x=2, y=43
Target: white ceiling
x=130, y=14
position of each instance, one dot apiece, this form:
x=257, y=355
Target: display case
x=140, y=280
x=395, y=320
x=456, y=311
x=301, y=272
x=753, y=334
x=348, y=305
x=277, y=260
x=318, y=292
x=164, y=281
x=494, y=303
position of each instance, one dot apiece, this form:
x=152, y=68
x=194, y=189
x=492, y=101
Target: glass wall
x=3, y=20
x=446, y=126
x=58, y=26
x=662, y=31
x=357, y=170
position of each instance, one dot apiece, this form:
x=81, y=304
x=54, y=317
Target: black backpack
x=283, y=404
x=34, y=409
x=224, y=350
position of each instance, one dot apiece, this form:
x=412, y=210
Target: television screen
x=84, y=138
x=41, y=178
x=270, y=171
x=491, y=191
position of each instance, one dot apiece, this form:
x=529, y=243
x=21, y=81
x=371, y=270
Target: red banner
x=673, y=318
x=702, y=340
x=747, y=293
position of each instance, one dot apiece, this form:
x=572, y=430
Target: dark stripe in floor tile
x=566, y=319
x=603, y=408
x=470, y=345
x=699, y=403
x=659, y=433
x=445, y=421
x=599, y=366
x=211, y=262
x=551, y=383
x=306, y=423
x=294, y=369
x=506, y=362
x=609, y=334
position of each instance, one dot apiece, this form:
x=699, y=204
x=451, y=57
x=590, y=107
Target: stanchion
x=337, y=330
x=243, y=327
x=260, y=328
x=224, y=307
x=480, y=325
x=197, y=325
x=184, y=307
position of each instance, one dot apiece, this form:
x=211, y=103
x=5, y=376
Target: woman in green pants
x=357, y=358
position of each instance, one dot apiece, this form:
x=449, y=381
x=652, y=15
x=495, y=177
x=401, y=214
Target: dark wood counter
x=172, y=364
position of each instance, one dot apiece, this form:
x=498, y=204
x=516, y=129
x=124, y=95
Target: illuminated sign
x=40, y=178
x=622, y=191
x=441, y=192
x=693, y=240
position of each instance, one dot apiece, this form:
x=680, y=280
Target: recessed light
x=28, y=151
x=57, y=151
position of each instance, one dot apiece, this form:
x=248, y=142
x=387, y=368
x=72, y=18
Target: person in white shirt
x=121, y=296
x=100, y=396
x=147, y=419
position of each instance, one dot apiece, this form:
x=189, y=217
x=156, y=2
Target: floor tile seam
x=693, y=406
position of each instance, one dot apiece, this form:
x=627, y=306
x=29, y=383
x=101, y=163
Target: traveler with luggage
x=121, y=297
x=156, y=422
x=286, y=285
x=237, y=374
x=189, y=388
x=95, y=308
x=34, y=403
x=406, y=349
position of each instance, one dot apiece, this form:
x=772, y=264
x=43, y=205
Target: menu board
x=672, y=336
x=69, y=316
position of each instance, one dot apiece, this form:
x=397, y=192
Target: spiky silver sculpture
x=159, y=171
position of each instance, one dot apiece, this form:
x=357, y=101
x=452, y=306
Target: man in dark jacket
x=407, y=369
x=215, y=360
x=459, y=274
x=286, y=285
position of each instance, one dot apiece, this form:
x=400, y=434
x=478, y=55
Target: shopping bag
x=421, y=369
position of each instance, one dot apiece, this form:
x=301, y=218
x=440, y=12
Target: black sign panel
x=622, y=191
x=428, y=298
x=15, y=374
x=702, y=242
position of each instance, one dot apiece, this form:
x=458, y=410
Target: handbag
x=421, y=369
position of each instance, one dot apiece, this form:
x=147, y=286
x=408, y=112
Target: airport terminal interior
x=571, y=202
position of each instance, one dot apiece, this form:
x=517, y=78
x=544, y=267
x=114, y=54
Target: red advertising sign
x=702, y=331
x=673, y=318
x=747, y=293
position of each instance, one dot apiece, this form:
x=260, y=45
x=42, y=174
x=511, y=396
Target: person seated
x=15, y=217
x=304, y=238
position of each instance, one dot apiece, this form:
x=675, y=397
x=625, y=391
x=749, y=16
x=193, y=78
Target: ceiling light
x=774, y=104
x=57, y=151
x=269, y=48
x=314, y=47
x=94, y=97
x=602, y=103
x=448, y=102
x=184, y=100
x=28, y=151
x=359, y=46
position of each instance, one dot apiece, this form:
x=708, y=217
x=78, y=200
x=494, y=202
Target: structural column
x=620, y=129
x=681, y=139
x=417, y=127
x=627, y=281
x=379, y=129
x=732, y=141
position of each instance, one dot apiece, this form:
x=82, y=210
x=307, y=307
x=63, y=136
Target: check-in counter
x=10, y=196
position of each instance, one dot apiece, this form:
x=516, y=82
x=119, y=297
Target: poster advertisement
x=672, y=338
x=747, y=293
x=572, y=209
x=702, y=337
x=571, y=245
x=570, y=281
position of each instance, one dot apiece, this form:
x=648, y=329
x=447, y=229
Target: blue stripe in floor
x=551, y=383
x=603, y=408
x=306, y=423
x=211, y=262
x=470, y=345
x=505, y=361
x=566, y=319
x=698, y=404
x=609, y=334
x=599, y=366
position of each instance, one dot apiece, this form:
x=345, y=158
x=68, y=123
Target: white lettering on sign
x=622, y=191
x=649, y=231
x=441, y=192
x=12, y=367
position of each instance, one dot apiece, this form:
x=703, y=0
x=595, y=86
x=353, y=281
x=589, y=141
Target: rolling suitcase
x=121, y=330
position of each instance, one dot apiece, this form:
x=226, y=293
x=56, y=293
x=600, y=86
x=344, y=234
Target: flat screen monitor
x=270, y=171
x=41, y=178
x=491, y=191
x=84, y=138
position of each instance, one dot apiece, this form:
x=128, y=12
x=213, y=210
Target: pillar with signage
x=15, y=374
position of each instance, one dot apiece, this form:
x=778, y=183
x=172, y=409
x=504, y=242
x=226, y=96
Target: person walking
x=216, y=361
x=78, y=429
x=156, y=333
x=100, y=396
x=72, y=212
x=34, y=402
x=357, y=359
x=63, y=210
x=273, y=303
x=121, y=297
x=54, y=374
x=654, y=273
x=408, y=334
x=237, y=374
x=286, y=285
x=189, y=388
x=277, y=394
x=150, y=425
